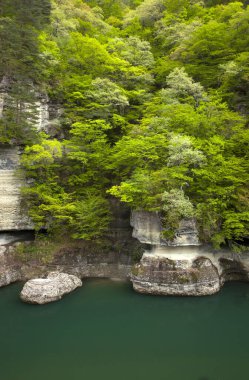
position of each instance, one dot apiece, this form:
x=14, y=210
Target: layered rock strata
x=188, y=271
x=111, y=258
x=165, y=271
x=164, y=276
x=11, y=215
x=181, y=266
x=74, y=261
x=52, y=288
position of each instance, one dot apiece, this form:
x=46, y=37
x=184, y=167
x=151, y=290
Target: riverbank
x=181, y=271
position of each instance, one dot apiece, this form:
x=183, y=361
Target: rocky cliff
x=113, y=257
x=147, y=228
x=177, y=267
x=161, y=275
x=165, y=271
x=9, y=270
x=47, y=114
x=181, y=266
x=83, y=261
x=12, y=215
x=188, y=271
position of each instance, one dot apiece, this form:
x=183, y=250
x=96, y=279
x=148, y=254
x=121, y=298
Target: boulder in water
x=52, y=288
x=157, y=274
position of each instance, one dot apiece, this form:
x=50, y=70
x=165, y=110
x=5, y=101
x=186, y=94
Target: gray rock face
x=47, y=114
x=8, y=272
x=3, y=93
x=234, y=268
x=48, y=120
x=42, y=114
x=52, y=288
x=8, y=276
x=82, y=263
x=11, y=215
x=157, y=274
x=9, y=158
x=48, y=117
x=112, y=259
x=147, y=228
x=186, y=234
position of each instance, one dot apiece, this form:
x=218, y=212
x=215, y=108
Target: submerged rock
x=157, y=274
x=52, y=288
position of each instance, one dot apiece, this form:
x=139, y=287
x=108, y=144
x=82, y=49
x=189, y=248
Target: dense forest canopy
x=155, y=100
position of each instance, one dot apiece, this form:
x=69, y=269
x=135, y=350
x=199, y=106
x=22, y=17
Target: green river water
x=105, y=331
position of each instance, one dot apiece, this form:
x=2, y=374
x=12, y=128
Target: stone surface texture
x=9, y=270
x=79, y=261
x=52, y=288
x=12, y=216
x=112, y=258
x=164, y=270
x=188, y=270
x=147, y=228
x=164, y=276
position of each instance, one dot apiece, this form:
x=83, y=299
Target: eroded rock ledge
x=161, y=275
x=148, y=229
x=194, y=271
x=188, y=272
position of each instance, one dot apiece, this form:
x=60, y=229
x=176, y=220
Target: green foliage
x=20, y=25
x=20, y=114
x=133, y=50
x=147, y=12
x=91, y=217
x=155, y=99
x=42, y=250
x=176, y=206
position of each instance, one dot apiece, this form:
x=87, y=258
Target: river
x=106, y=331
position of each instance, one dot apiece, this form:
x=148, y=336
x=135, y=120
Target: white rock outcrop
x=11, y=215
x=147, y=228
x=52, y=288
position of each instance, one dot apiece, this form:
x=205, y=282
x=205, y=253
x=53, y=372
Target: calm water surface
x=106, y=331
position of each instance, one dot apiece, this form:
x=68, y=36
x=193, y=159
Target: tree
x=133, y=50
x=20, y=24
x=147, y=12
x=155, y=111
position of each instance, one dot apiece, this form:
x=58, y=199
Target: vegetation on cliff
x=155, y=96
